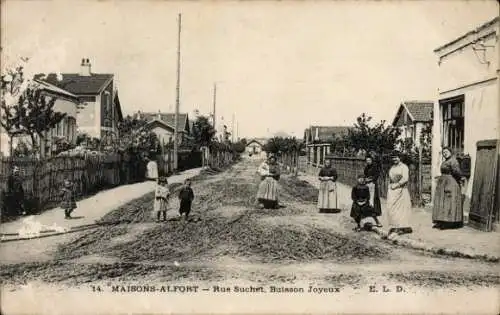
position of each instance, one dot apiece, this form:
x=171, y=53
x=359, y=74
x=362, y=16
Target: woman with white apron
x=398, y=197
x=267, y=195
x=327, y=197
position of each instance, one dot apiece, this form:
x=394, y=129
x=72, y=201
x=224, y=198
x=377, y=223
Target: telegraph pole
x=215, y=100
x=177, y=98
x=232, y=129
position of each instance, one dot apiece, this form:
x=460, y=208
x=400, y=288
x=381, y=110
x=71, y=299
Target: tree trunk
x=42, y=146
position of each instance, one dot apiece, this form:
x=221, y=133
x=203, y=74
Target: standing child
x=162, y=196
x=361, y=210
x=68, y=202
x=186, y=197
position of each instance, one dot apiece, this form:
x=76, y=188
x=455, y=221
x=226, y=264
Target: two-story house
x=412, y=118
x=100, y=111
x=65, y=102
x=163, y=125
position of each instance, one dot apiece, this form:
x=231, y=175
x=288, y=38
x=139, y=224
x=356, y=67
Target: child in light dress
x=162, y=198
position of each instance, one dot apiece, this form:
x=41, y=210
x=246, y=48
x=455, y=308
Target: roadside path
x=52, y=222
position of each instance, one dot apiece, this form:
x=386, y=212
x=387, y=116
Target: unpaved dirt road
x=229, y=241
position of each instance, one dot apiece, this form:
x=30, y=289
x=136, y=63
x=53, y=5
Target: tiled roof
x=78, y=84
x=326, y=133
x=50, y=88
x=168, y=118
x=420, y=111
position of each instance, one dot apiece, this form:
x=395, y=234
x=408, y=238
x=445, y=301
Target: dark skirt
x=68, y=203
x=359, y=212
x=448, y=202
x=375, y=198
x=185, y=206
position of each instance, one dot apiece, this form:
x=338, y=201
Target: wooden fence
x=43, y=179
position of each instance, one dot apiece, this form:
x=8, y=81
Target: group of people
x=366, y=207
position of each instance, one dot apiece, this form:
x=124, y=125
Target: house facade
x=467, y=108
x=66, y=103
x=163, y=125
x=318, y=141
x=100, y=111
x=412, y=118
x=255, y=148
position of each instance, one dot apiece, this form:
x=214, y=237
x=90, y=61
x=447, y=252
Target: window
x=453, y=113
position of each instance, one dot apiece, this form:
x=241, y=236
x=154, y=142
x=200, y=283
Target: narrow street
x=228, y=240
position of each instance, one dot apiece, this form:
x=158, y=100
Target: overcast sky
x=280, y=66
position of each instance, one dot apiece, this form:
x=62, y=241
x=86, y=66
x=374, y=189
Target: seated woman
x=361, y=211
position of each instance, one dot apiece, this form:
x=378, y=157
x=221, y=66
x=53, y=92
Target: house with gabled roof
x=100, y=111
x=412, y=117
x=318, y=141
x=66, y=103
x=163, y=125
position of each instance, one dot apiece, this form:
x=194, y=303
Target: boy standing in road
x=186, y=196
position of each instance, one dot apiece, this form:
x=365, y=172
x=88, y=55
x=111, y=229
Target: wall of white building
x=473, y=74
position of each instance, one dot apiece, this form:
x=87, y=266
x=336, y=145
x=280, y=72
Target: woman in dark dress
x=447, y=212
x=372, y=173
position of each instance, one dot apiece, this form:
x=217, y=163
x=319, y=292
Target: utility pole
x=177, y=98
x=232, y=129
x=215, y=100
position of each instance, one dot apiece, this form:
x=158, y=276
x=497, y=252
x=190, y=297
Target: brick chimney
x=85, y=67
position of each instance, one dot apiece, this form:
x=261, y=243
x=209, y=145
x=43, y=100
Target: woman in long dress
x=327, y=197
x=448, y=212
x=372, y=173
x=267, y=195
x=398, y=197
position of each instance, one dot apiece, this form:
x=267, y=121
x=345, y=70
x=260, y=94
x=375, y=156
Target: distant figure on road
x=267, y=194
x=327, y=196
x=398, y=197
x=372, y=173
x=186, y=196
x=152, y=170
x=68, y=200
x=361, y=211
x=448, y=212
x=162, y=196
x=15, y=193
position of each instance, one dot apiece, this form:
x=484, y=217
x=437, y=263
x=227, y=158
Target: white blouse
x=399, y=174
